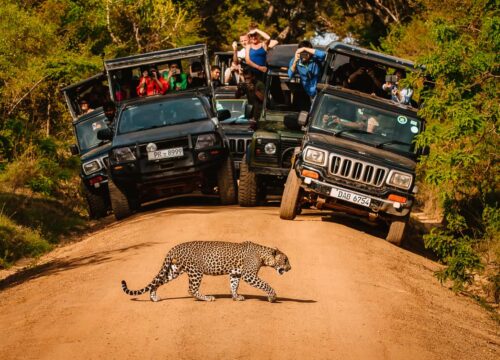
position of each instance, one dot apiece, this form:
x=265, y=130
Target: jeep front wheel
x=119, y=202
x=248, y=189
x=290, y=201
x=226, y=183
x=396, y=232
x=98, y=206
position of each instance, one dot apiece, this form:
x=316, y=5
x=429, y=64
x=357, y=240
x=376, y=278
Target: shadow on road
x=228, y=296
x=57, y=266
x=412, y=242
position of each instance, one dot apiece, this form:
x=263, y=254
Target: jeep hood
x=345, y=145
x=163, y=133
x=96, y=152
x=241, y=130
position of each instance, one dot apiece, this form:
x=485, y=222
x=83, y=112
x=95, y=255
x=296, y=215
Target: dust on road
x=349, y=295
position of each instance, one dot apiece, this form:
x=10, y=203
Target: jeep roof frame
x=69, y=90
x=155, y=57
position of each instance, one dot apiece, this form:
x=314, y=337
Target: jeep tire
x=120, y=204
x=248, y=188
x=98, y=205
x=290, y=201
x=226, y=182
x=396, y=232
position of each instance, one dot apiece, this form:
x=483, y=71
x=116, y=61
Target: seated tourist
x=215, y=76
x=197, y=76
x=402, y=96
x=151, y=83
x=233, y=74
x=176, y=78
x=84, y=107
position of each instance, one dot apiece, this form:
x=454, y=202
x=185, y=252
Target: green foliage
x=18, y=241
x=461, y=54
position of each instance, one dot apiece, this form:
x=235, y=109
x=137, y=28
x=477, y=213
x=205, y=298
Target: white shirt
x=241, y=54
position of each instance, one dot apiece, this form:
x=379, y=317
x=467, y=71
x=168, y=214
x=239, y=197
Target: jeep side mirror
x=223, y=114
x=302, y=120
x=74, y=149
x=105, y=134
x=248, y=111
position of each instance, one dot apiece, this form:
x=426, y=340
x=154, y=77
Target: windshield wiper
x=357, y=131
x=397, y=142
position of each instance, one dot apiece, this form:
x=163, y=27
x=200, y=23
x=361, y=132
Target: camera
x=304, y=55
x=391, y=79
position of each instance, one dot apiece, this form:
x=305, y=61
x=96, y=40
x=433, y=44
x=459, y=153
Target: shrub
x=18, y=241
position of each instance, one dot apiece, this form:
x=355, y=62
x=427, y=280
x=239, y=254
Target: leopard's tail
x=165, y=275
x=135, y=292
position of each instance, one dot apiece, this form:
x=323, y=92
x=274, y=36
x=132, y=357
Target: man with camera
x=151, y=83
x=307, y=62
x=254, y=90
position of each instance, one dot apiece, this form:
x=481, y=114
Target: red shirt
x=152, y=87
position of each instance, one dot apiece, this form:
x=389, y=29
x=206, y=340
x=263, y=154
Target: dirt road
x=349, y=295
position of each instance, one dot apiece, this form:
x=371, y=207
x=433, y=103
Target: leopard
x=198, y=258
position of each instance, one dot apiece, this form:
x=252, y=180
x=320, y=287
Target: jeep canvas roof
x=351, y=50
x=156, y=57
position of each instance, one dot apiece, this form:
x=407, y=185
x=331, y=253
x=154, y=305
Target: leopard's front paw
x=238, y=298
x=210, y=298
x=271, y=298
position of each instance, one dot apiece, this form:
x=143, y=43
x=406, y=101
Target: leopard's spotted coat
x=198, y=258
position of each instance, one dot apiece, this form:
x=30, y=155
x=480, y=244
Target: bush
x=18, y=241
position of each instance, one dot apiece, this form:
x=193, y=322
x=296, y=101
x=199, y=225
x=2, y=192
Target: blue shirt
x=309, y=72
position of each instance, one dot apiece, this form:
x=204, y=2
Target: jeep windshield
x=237, y=109
x=86, y=132
x=168, y=112
x=381, y=128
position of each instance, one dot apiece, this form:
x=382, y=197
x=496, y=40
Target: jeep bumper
x=359, y=201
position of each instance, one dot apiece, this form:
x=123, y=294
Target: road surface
x=349, y=295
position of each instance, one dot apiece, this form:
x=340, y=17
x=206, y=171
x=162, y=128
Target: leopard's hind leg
x=194, y=285
x=168, y=273
x=234, y=277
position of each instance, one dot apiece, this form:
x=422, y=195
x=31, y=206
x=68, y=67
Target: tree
x=147, y=25
x=461, y=54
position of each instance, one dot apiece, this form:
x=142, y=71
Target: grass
x=31, y=226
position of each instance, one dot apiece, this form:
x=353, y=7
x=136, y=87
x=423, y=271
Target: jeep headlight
x=91, y=167
x=315, y=156
x=123, y=154
x=205, y=141
x=399, y=179
x=270, y=148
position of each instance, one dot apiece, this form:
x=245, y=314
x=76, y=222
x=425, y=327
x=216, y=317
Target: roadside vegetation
x=47, y=44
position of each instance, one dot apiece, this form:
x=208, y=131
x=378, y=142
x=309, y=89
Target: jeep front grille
x=357, y=170
x=238, y=145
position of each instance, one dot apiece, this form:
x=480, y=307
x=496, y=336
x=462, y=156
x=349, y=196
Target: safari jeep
x=348, y=165
x=166, y=145
x=93, y=152
x=268, y=157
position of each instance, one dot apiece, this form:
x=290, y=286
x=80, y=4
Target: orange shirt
x=147, y=86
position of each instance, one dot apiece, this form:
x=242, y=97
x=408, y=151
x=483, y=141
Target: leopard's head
x=279, y=261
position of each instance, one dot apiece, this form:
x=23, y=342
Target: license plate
x=350, y=196
x=165, y=153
